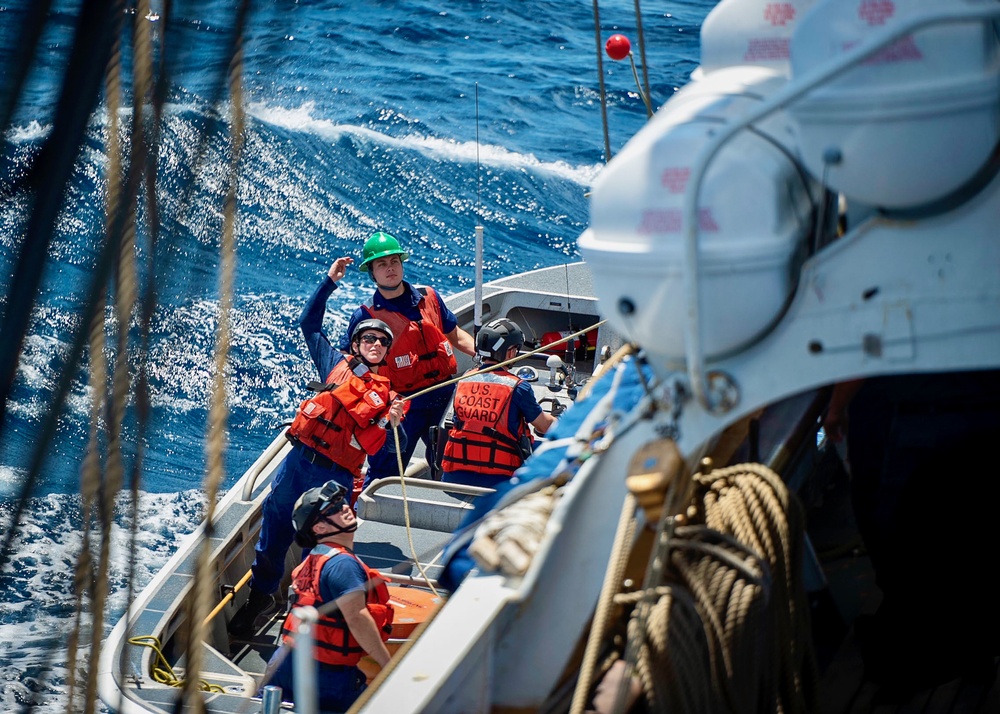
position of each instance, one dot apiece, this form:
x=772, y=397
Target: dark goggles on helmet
x=330, y=502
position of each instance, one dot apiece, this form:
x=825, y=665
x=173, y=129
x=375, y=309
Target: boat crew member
x=422, y=353
x=333, y=432
x=353, y=601
x=490, y=438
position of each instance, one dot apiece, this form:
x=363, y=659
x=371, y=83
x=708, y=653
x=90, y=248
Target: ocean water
x=419, y=118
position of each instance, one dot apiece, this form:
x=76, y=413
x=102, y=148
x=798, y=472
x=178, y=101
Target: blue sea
x=418, y=118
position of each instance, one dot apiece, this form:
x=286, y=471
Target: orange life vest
x=481, y=439
x=347, y=419
x=335, y=645
x=420, y=355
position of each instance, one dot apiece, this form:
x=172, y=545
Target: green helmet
x=380, y=245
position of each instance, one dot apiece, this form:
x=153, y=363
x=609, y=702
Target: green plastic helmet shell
x=380, y=245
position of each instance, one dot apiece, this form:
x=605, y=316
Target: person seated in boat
x=421, y=356
x=352, y=600
x=332, y=432
x=493, y=408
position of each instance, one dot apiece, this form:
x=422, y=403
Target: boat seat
x=428, y=505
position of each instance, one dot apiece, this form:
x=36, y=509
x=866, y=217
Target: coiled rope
x=727, y=630
x=162, y=672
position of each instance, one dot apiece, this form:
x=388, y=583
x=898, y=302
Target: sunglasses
x=370, y=339
x=332, y=508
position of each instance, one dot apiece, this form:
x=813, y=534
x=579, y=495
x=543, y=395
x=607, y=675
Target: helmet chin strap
x=340, y=529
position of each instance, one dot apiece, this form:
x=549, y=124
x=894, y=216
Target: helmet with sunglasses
x=498, y=336
x=312, y=506
x=372, y=324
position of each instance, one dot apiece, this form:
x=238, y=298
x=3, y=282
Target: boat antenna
x=600, y=83
x=477, y=321
x=571, y=345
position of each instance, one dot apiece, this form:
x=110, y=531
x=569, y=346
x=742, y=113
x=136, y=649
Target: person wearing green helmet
x=422, y=352
x=380, y=245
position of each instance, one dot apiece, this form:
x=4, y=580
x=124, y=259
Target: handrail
x=784, y=96
x=381, y=483
x=250, y=478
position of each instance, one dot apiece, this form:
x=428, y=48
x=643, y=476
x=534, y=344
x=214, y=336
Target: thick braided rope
x=682, y=652
x=750, y=502
x=602, y=617
x=670, y=658
x=142, y=53
x=201, y=601
x=85, y=579
x=124, y=302
x=90, y=476
x=727, y=630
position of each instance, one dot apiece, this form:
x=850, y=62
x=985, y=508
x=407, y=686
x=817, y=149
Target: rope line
x=201, y=596
x=602, y=617
x=395, y=432
x=162, y=672
x=724, y=626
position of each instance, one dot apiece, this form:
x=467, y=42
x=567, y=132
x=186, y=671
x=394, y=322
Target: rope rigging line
x=143, y=168
x=91, y=577
x=199, y=602
x=512, y=360
x=602, y=616
x=723, y=627
x=406, y=514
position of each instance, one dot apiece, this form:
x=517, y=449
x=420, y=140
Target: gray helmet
x=312, y=506
x=372, y=324
x=496, y=337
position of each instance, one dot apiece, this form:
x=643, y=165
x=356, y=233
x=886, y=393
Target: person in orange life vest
x=492, y=410
x=422, y=354
x=353, y=601
x=332, y=432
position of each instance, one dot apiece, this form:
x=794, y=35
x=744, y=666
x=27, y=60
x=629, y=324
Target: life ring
x=412, y=606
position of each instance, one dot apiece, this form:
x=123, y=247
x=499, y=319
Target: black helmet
x=312, y=506
x=496, y=337
x=372, y=324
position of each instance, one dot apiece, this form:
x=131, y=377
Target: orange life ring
x=412, y=606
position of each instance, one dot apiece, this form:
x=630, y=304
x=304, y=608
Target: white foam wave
x=34, y=131
x=39, y=583
x=302, y=119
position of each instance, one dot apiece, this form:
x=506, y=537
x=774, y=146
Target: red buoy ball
x=617, y=47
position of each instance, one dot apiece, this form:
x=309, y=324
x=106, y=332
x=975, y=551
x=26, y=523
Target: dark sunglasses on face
x=370, y=339
x=332, y=508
